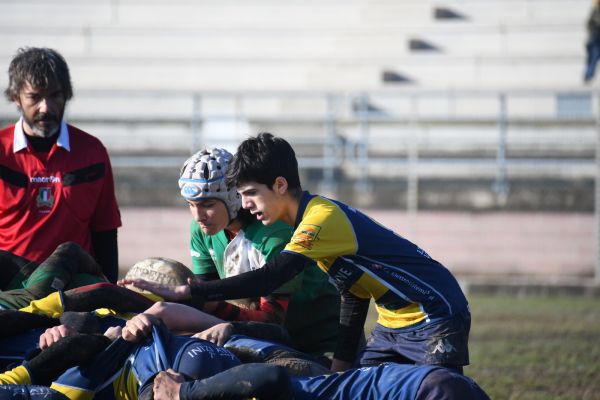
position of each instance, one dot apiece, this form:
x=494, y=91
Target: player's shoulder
x=323, y=208
x=322, y=202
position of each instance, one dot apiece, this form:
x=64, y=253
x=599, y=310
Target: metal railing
x=407, y=134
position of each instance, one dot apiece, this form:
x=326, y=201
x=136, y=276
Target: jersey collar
x=20, y=140
x=306, y=197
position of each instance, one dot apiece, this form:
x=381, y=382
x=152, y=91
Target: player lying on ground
x=423, y=315
x=110, y=304
x=264, y=381
x=194, y=357
x=192, y=360
x=125, y=367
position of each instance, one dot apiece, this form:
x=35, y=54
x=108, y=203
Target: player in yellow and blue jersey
x=423, y=315
x=165, y=367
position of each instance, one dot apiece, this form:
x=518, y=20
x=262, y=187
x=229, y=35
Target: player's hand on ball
x=169, y=293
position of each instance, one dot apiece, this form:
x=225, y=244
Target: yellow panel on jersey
x=401, y=317
x=50, y=305
x=73, y=393
x=16, y=376
x=367, y=286
x=324, y=233
x=126, y=385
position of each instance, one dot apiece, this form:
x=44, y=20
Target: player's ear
x=280, y=186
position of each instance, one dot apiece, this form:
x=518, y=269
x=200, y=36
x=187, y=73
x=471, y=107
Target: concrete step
x=325, y=14
x=379, y=45
x=426, y=71
x=517, y=11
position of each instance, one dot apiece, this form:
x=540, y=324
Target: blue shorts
x=444, y=342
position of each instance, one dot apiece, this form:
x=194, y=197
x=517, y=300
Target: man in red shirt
x=56, y=182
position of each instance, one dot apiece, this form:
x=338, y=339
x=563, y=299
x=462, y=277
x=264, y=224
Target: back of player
x=132, y=374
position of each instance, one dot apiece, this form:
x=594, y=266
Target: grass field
x=535, y=347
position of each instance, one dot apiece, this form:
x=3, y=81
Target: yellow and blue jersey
x=14, y=349
x=129, y=368
x=371, y=261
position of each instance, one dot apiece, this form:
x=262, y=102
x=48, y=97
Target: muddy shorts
x=443, y=342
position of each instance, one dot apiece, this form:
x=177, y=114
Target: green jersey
x=312, y=325
x=254, y=245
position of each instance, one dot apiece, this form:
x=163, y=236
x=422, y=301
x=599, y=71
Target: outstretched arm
x=71, y=323
x=219, y=334
x=66, y=353
x=270, y=309
x=182, y=318
x=16, y=322
x=104, y=295
x=243, y=381
x=260, y=282
x=50, y=363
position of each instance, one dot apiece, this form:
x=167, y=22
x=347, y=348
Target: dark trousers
x=593, y=55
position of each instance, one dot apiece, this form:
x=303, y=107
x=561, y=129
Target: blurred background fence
x=502, y=143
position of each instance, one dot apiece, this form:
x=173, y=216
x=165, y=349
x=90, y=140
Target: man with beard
x=56, y=182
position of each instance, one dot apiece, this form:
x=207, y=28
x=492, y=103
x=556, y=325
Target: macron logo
x=44, y=179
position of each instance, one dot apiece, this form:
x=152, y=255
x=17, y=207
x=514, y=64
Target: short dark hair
x=41, y=67
x=262, y=159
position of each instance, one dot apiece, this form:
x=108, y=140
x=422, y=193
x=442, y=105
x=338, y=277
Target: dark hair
x=262, y=159
x=42, y=68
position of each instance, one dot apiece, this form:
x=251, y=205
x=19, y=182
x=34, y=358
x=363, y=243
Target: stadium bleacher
x=199, y=70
